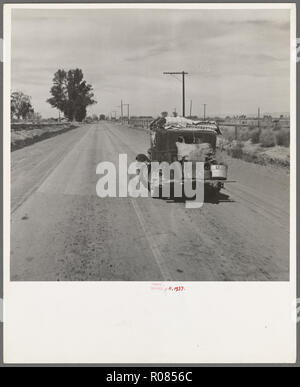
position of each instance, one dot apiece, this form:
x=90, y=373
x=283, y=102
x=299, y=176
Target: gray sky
x=236, y=60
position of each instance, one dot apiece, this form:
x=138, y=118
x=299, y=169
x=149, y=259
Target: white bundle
x=196, y=152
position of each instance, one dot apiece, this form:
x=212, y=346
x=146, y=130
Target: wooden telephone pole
x=127, y=104
x=183, y=73
x=204, y=111
x=121, y=106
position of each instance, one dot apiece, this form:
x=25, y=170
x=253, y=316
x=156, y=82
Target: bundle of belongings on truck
x=173, y=123
x=194, y=152
x=191, y=145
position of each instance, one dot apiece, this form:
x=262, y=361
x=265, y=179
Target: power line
x=122, y=112
x=121, y=106
x=127, y=104
x=182, y=73
x=177, y=79
x=204, y=111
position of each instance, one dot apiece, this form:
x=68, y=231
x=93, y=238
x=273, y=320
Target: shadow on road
x=210, y=196
x=216, y=198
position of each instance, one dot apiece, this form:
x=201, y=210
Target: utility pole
x=258, y=117
x=121, y=106
x=183, y=95
x=183, y=73
x=127, y=104
x=204, y=111
x=191, y=105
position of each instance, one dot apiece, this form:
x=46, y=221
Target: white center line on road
x=151, y=241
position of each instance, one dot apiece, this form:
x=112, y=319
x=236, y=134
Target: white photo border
x=126, y=322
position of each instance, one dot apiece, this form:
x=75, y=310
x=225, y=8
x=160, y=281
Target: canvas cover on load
x=173, y=123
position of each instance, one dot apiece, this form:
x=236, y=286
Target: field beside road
x=61, y=230
x=24, y=134
x=265, y=146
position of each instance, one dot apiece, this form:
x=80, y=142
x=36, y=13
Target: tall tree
x=20, y=105
x=59, y=90
x=71, y=94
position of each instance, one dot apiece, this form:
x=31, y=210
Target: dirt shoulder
x=26, y=134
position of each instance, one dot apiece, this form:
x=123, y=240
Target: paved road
x=61, y=230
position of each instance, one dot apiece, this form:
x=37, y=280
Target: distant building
x=264, y=122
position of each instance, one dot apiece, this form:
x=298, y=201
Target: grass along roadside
x=26, y=134
x=250, y=149
x=266, y=146
x=276, y=155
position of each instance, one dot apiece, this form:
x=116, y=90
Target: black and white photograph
x=149, y=184
x=96, y=92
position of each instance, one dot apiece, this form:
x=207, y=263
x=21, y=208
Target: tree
x=20, y=105
x=164, y=114
x=71, y=94
x=32, y=116
x=59, y=90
